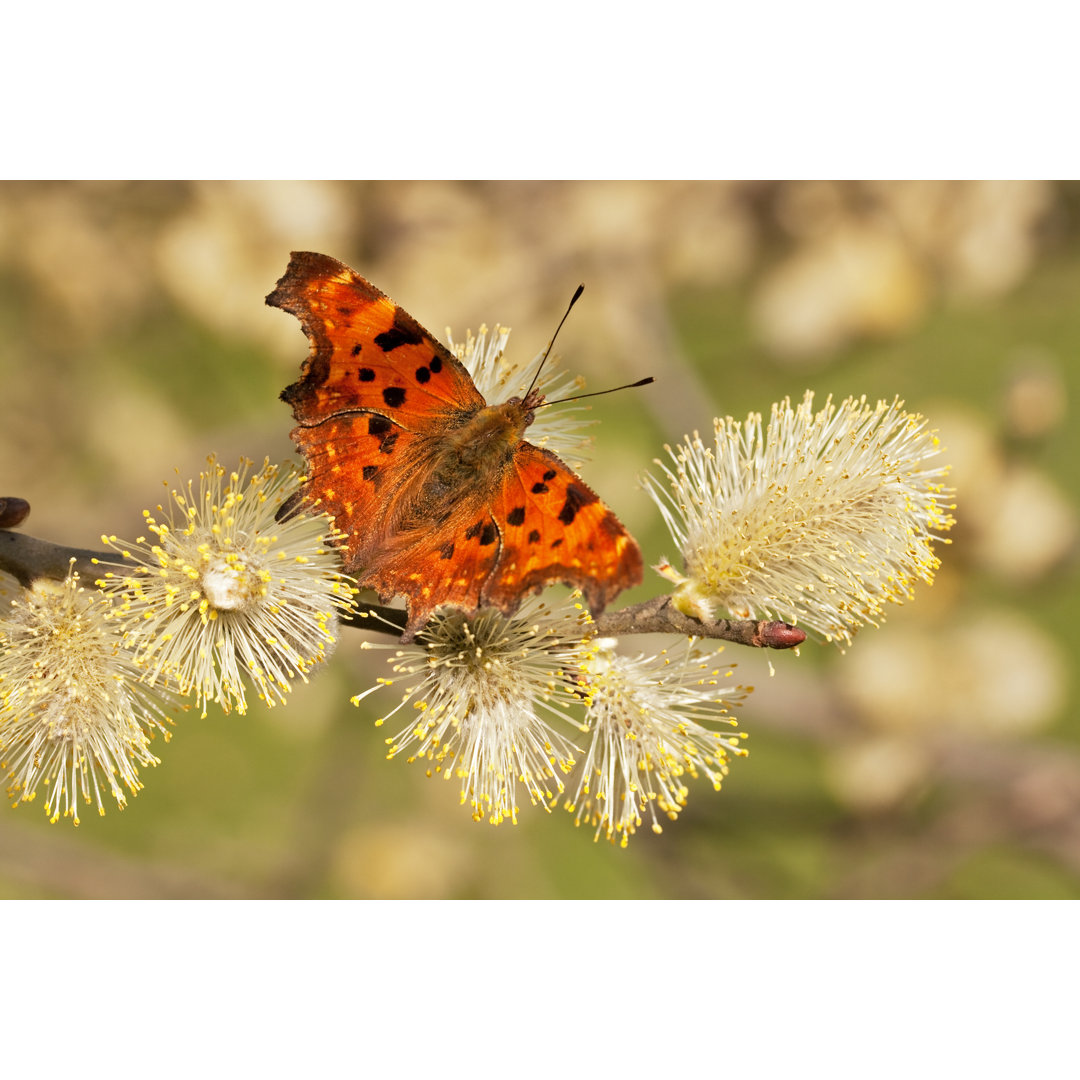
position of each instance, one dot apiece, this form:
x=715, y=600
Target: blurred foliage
x=938, y=757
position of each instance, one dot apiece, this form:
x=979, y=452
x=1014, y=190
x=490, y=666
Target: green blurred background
x=938, y=757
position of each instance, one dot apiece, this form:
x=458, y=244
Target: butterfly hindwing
x=366, y=351
x=448, y=563
x=355, y=470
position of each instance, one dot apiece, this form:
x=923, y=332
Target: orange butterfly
x=439, y=497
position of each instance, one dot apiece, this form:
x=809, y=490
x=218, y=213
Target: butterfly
x=438, y=496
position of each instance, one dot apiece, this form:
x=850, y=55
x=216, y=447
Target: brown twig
x=659, y=616
x=655, y=616
x=27, y=559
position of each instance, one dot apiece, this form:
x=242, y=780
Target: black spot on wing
x=538, y=488
x=473, y=530
x=533, y=537
x=447, y=551
x=576, y=498
x=550, y=474
x=516, y=516
x=387, y=444
x=365, y=373
x=488, y=535
x=370, y=471
x=378, y=425
x=394, y=396
x=423, y=375
x=435, y=365
x=405, y=331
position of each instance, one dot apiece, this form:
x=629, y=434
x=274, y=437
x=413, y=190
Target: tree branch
x=655, y=616
x=659, y=616
x=27, y=559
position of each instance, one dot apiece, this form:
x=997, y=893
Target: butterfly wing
x=442, y=563
x=355, y=474
x=374, y=394
x=543, y=525
x=367, y=353
x=553, y=527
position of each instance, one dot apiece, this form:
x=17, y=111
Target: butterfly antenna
x=597, y=393
x=543, y=360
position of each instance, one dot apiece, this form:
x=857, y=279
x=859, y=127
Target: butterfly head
x=525, y=407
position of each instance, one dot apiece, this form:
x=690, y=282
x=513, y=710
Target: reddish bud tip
x=780, y=635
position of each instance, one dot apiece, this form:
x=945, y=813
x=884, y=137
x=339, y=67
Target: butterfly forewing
x=367, y=353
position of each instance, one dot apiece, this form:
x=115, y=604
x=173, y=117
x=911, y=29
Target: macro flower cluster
x=226, y=594
x=501, y=702
x=820, y=518
x=75, y=717
x=225, y=598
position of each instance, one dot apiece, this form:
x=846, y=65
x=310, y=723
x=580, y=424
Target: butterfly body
x=487, y=440
x=438, y=494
